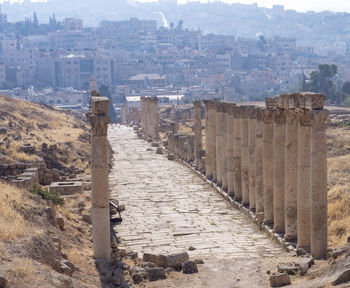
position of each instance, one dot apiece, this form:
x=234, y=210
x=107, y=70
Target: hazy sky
x=299, y=5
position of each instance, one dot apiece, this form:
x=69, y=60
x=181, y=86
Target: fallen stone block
x=148, y=257
x=159, y=151
x=171, y=157
x=336, y=252
x=189, y=267
x=290, y=269
x=174, y=261
x=342, y=278
x=279, y=280
x=155, y=274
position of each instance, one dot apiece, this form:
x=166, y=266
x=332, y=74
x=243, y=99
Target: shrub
x=45, y=194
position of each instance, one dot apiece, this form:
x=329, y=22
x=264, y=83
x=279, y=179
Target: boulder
x=60, y=222
x=155, y=274
x=290, y=269
x=279, y=279
x=87, y=218
x=189, y=267
x=137, y=278
x=159, y=151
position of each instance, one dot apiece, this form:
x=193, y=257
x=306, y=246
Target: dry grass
x=37, y=124
x=82, y=257
x=12, y=223
x=338, y=185
x=22, y=273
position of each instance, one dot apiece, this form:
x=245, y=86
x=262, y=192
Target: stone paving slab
x=169, y=208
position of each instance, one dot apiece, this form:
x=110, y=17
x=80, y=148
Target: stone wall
x=271, y=159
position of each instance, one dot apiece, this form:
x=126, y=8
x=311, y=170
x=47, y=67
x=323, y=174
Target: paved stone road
x=169, y=209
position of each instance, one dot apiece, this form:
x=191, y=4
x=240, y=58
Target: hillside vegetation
x=24, y=122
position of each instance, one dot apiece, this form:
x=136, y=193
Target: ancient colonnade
x=150, y=117
x=273, y=160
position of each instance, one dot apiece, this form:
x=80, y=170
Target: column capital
x=99, y=124
x=292, y=116
x=236, y=112
x=280, y=116
x=319, y=119
x=220, y=106
x=245, y=111
x=268, y=116
x=260, y=113
x=304, y=117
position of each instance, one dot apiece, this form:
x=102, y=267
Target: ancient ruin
x=272, y=160
x=99, y=120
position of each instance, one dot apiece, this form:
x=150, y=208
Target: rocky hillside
x=30, y=132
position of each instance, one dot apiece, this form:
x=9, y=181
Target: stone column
x=291, y=175
x=259, y=158
x=99, y=119
x=219, y=142
x=268, y=161
x=142, y=112
x=245, y=155
x=252, y=164
x=279, y=143
x=197, y=131
x=304, y=191
x=213, y=140
x=237, y=154
x=224, y=149
x=155, y=115
x=208, y=139
x=124, y=116
x=229, y=148
x=319, y=184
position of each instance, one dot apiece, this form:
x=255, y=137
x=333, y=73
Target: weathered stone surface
x=87, y=218
x=170, y=209
x=173, y=261
x=290, y=269
x=342, y=278
x=279, y=279
x=189, y=267
x=171, y=157
x=137, y=278
x=336, y=252
x=159, y=150
x=148, y=257
x=155, y=274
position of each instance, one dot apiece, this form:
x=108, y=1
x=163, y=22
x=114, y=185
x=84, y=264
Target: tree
x=171, y=25
x=104, y=91
x=179, y=25
x=321, y=82
x=346, y=87
x=35, y=19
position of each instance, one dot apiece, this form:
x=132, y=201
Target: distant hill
x=215, y=17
